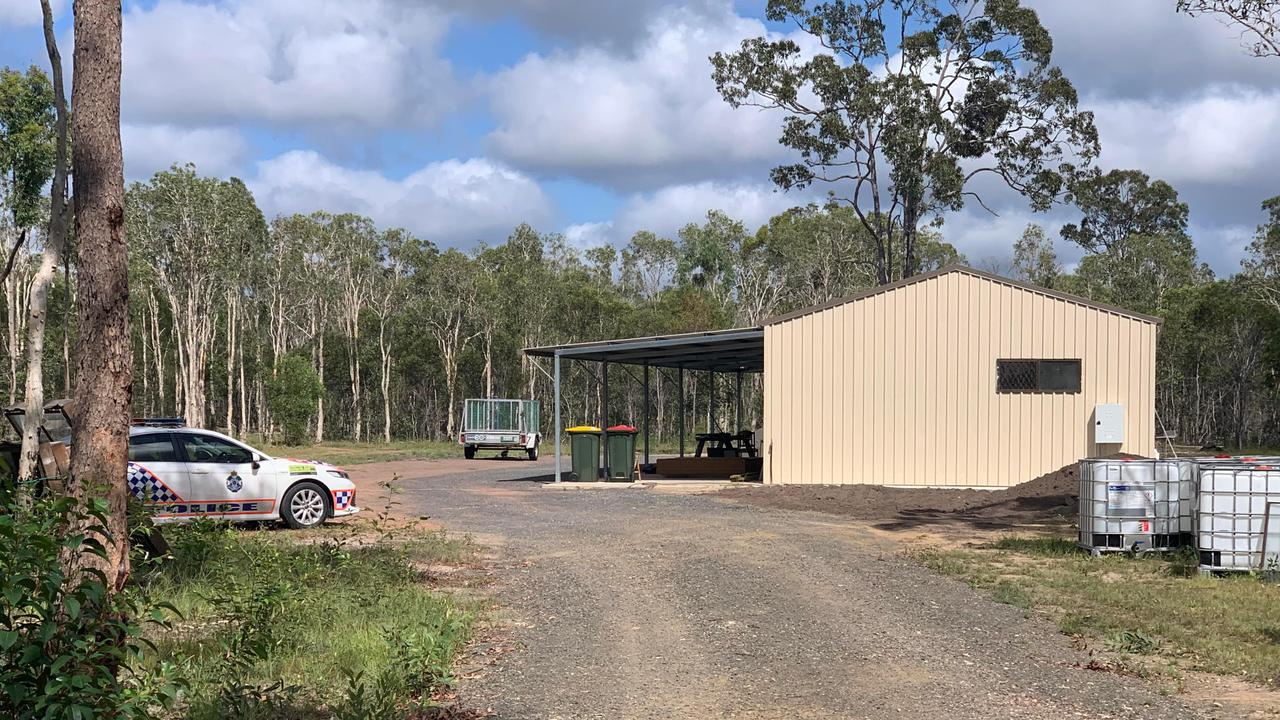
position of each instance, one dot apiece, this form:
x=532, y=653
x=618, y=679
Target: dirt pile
x=1049, y=500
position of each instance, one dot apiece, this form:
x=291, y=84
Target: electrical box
x=1108, y=424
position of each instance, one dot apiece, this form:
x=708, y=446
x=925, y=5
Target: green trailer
x=500, y=424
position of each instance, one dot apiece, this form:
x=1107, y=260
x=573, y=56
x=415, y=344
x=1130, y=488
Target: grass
x=343, y=452
x=1151, y=606
x=278, y=624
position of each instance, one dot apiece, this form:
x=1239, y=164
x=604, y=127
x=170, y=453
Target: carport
x=737, y=352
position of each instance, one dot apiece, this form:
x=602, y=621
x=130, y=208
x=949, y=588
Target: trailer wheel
x=533, y=452
x=469, y=452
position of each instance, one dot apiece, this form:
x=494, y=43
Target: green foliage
x=27, y=149
x=68, y=647
x=292, y=396
x=1134, y=642
x=1044, y=546
x=277, y=629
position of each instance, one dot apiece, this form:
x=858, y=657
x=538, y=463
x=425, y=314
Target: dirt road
x=633, y=604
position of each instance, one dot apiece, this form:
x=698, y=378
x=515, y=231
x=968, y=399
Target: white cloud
x=635, y=120
x=214, y=151
x=668, y=209
x=21, y=13
x=450, y=202
x=299, y=62
x=1228, y=135
x=1143, y=49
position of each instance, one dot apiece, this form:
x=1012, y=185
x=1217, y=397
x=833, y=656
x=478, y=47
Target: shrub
x=68, y=647
x=292, y=396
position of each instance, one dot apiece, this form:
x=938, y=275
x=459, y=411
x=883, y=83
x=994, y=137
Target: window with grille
x=1046, y=376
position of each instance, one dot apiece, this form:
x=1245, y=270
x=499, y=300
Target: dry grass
x=351, y=453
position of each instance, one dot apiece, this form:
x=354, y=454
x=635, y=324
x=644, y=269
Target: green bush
x=292, y=396
x=68, y=648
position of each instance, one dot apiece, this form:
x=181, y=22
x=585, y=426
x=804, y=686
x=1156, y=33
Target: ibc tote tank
x=1234, y=499
x=1136, y=505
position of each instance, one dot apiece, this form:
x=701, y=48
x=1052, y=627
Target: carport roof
x=739, y=349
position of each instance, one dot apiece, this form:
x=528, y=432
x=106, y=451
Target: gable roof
x=974, y=273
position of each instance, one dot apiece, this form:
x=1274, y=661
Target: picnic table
x=722, y=444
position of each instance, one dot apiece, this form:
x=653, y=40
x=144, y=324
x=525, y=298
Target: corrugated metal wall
x=898, y=388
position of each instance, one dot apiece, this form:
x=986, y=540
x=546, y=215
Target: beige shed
x=954, y=378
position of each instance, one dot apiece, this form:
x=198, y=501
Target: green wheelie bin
x=584, y=450
x=620, y=450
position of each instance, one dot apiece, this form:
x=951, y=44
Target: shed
x=954, y=378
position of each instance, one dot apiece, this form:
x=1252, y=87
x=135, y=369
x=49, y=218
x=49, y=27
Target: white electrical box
x=1108, y=424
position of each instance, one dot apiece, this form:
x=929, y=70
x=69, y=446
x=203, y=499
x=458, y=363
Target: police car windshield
x=213, y=449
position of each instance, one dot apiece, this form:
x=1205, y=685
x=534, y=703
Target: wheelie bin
x=620, y=450
x=584, y=451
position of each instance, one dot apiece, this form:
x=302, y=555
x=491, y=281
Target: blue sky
x=461, y=118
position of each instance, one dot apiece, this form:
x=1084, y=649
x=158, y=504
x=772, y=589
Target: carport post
x=680, y=402
x=646, y=413
x=737, y=414
x=604, y=408
x=556, y=384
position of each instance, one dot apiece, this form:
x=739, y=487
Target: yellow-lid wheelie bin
x=584, y=451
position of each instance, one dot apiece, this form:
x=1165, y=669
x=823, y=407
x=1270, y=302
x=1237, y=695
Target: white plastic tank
x=1136, y=505
x=1233, y=508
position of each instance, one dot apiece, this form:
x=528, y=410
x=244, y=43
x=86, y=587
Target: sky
x=459, y=119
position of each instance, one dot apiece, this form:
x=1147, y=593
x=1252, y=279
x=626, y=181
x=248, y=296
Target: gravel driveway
x=633, y=604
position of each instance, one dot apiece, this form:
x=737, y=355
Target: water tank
x=1136, y=505
x=1231, y=518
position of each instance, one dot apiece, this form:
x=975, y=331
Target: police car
x=180, y=473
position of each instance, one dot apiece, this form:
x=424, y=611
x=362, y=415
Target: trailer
x=500, y=424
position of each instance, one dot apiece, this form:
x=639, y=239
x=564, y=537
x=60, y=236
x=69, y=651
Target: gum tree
x=1257, y=20
x=909, y=108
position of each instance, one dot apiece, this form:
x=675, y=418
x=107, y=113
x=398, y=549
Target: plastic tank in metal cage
x=1235, y=501
x=1134, y=505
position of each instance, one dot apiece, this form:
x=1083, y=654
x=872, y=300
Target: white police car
x=180, y=473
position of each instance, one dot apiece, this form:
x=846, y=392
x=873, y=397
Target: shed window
x=1038, y=376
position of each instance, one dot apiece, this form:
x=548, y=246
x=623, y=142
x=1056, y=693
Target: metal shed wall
x=898, y=388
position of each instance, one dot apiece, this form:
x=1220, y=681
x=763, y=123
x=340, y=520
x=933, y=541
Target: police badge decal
x=234, y=483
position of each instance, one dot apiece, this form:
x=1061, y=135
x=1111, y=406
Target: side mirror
x=257, y=461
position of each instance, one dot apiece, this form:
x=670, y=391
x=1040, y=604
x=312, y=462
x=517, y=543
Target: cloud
x=21, y=13
x=150, y=148
x=668, y=209
x=634, y=120
x=610, y=23
x=287, y=62
x=1143, y=49
x=451, y=202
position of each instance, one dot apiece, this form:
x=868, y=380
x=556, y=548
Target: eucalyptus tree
x=353, y=255
x=1034, y=259
x=446, y=289
x=1261, y=264
x=908, y=105
x=389, y=295
x=648, y=265
x=51, y=257
x=195, y=233
x=28, y=123
x=103, y=354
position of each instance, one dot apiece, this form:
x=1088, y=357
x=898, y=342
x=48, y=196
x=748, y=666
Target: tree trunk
x=320, y=372
x=104, y=354
x=49, y=262
x=384, y=347
x=231, y=361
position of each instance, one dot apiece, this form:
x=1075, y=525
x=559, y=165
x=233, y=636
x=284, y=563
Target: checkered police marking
x=144, y=485
x=342, y=499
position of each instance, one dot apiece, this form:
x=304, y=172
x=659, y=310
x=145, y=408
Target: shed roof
x=975, y=273
x=737, y=349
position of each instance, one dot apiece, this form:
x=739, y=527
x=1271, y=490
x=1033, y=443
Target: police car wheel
x=304, y=506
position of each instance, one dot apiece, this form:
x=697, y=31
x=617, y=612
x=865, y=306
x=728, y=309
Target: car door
x=224, y=481
x=157, y=477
